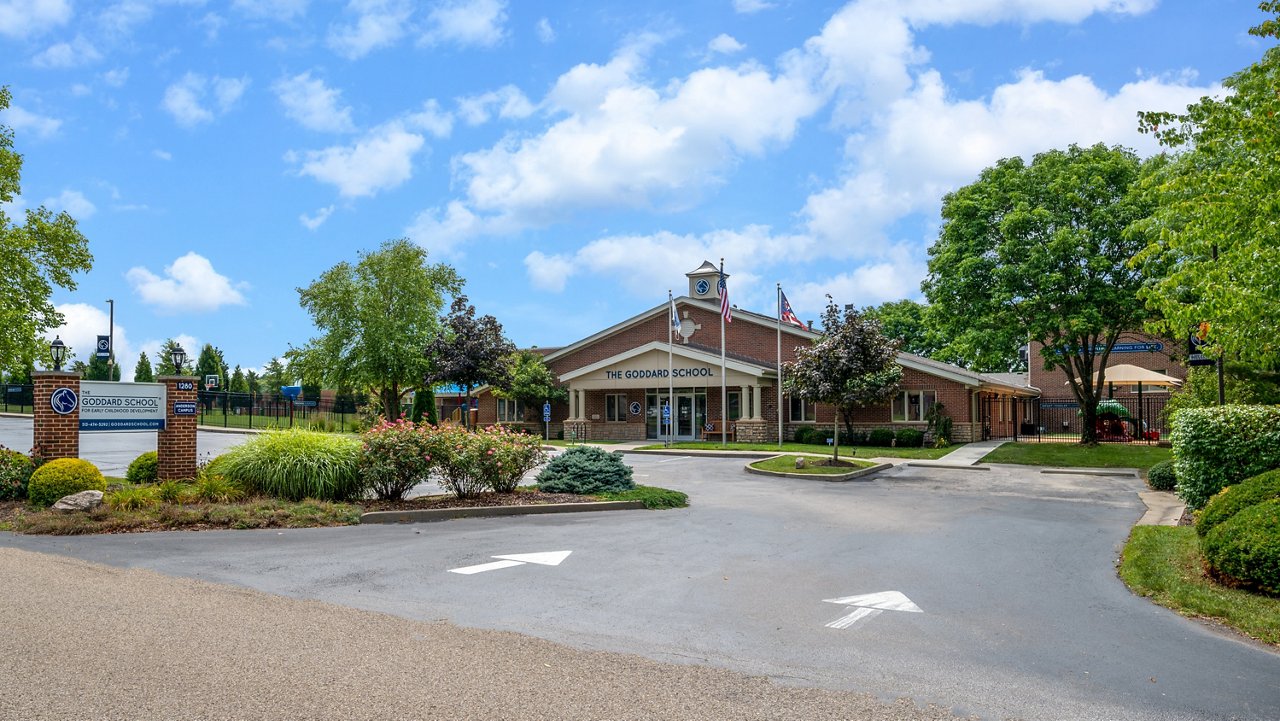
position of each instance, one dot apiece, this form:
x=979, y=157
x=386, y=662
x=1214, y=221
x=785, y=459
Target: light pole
x=58, y=350
x=179, y=357
x=111, y=342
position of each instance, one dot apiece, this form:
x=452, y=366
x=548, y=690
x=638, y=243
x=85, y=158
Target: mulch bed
x=519, y=498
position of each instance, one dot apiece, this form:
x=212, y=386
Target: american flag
x=726, y=310
x=786, y=314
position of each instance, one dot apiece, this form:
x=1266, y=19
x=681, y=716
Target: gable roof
x=681, y=350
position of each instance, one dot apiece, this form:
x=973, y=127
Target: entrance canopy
x=647, y=366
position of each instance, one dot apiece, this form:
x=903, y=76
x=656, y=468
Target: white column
x=577, y=404
x=756, y=414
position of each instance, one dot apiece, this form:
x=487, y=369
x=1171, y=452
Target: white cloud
x=509, y=101
x=162, y=154
x=313, y=104
x=378, y=24
x=747, y=7
x=13, y=207
x=442, y=232
x=548, y=272
x=312, y=222
x=725, y=45
x=186, y=99
x=74, y=203
x=466, y=22
x=116, y=77
x=431, y=119
x=212, y=24
x=871, y=283
x=283, y=10
x=381, y=159
x=546, y=33
x=22, y=120
x=190, y=284
x=119, y=19
x=28, y=18
x=67, y=54
x=83, y=323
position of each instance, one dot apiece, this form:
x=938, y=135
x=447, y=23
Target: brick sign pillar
x=176, y=444
x=55, y=434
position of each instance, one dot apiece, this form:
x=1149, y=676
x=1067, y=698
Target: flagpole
x=724, y=398
x=671, y=308
x=779, y=366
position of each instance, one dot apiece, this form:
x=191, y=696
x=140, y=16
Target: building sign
x=63, y=401
x=1196, y=342
x=659, y=373
x=1137, y=347
x=184, y=408
x=104, y=347
x=106, y=406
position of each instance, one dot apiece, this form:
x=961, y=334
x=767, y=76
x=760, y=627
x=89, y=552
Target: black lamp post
x=58, y=350
x=179, y=357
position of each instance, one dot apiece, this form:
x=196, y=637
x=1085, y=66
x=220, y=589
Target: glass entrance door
x=689, y=413
x=685, y=429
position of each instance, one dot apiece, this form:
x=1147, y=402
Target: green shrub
x=1235, y=498
x=172, y=491
x=586, y=470
x=132, y=499
x=803, y=434
x=651, y=496
x=63, y=477
x=15, y=473
x=856, y=438
x=1246, y=548
x=144, y=469
x=217, y=488
x=882, y=437
x=1215, y=447
x=505, y=456
x=909, y=438
x=296, y=464
x=1161, y=476
x=395, y=457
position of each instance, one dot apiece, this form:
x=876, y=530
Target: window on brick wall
x=913, y=406
x=735, y=405
x=803, y=411
x=510, y=411
x=615, y=407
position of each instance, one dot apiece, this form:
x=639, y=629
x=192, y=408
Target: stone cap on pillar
x=176, y=378
x=56, y=374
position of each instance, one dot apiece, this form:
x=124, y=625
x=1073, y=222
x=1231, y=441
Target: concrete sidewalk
x=966, y=456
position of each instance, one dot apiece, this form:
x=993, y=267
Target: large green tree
x=375, y=318
x=142, y=372
x=1039, y=252
x=470, y=352
x=906, y=321
x=530, y=381
x=238, y=383
x=1214, y=244
x=98, y=370
x=210, y=363
x=44, y=252
x=275, y=375
x=852, y=365
x=164, y=360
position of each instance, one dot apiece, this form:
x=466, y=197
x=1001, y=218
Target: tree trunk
x=466, y=410
x=835, y=442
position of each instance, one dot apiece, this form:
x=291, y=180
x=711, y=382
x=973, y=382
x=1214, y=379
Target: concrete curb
x=445, y=514
x=17, y=415
x=825, y=477
x=1119, y=473
x=1163, y=508
x=242, y=431
x=940, y=464
x=693, y=453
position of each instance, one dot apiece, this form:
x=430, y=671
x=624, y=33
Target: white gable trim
x=676, y=350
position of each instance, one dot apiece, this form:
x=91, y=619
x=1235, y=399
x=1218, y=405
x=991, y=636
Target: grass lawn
x=1164, y=564
x=1073, y=455
x=787, y=464
x=565, y=444
x=860, y=451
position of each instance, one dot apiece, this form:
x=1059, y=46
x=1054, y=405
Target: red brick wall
x=54, y=435
x=1053, y=383
x=176, y=444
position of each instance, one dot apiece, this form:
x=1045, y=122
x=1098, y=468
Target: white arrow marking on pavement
x=870, y=605
x=548, y=558
x=885, y=601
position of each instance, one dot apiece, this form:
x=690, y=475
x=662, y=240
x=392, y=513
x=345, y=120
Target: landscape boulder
x=82, y=501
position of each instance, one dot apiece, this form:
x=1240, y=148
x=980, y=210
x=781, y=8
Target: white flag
x=675, y=317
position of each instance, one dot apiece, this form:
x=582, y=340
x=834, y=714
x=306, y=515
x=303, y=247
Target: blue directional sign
x=546, y=412
x=184, y=408
x=666, y=411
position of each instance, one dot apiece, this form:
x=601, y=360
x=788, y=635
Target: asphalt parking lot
x=1020, y=612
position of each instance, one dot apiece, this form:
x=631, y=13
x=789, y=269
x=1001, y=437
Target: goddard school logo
x=63, y=401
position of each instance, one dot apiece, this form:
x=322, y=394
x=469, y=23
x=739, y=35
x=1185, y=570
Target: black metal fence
x=19, y=398
x=1123, y=419
x=253, y=410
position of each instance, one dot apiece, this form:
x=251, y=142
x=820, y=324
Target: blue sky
x=572, y=159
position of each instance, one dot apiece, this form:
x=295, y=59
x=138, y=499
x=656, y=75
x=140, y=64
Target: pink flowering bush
x=395, y=457
x=490, y=459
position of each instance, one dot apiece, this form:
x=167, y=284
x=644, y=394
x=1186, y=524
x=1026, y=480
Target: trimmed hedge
x=882, y=437
x=63, y=477
x=1161, y=476
x=586, y=470
x=1246, y=548
x=144, y=469
x=909, y=438
x=1215, y=447
x=1233, y=499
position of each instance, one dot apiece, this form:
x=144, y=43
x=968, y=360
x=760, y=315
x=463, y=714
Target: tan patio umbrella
x=1131, y=375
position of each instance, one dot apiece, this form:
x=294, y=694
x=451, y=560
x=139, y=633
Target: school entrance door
x=689, y=413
